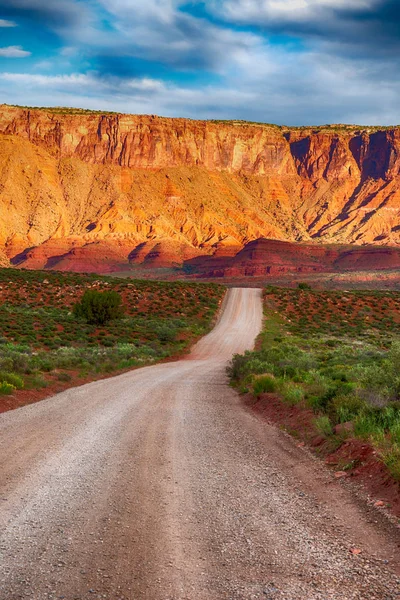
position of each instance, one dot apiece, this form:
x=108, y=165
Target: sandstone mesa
x=89, y=191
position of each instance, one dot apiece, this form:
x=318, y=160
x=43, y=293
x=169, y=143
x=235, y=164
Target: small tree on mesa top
x=97, y=308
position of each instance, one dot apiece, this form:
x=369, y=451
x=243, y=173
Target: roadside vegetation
x=337, y=353
x=58, y=327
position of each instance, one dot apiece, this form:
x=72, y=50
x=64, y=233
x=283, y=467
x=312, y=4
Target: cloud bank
x=283, y=61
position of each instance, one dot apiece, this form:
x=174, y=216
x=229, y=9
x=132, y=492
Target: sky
x=292, y=62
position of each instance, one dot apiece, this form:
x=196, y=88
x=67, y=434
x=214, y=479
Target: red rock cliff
x=72, y=179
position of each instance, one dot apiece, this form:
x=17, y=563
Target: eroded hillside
x=102, y=190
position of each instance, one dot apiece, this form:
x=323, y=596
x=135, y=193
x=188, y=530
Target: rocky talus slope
x=96, y=191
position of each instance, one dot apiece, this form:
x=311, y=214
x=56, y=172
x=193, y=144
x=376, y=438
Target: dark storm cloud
x=369, y=33
x=369, y=29
x=57, y=14
x=376, y=29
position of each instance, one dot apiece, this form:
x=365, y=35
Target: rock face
x=91, y=191
x=263, y=258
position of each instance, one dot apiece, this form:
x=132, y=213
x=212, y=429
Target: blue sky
x=294, y=62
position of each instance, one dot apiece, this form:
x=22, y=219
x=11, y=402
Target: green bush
x=391, y=458
x=237, y=366
x=258, y=367
x=346, y=408
x=264, y=384
x=98, y=308
x=166, y=332
x=323, y=425
x=6, y=388
x=13, y=379
x=395, y=433
x=36, y=382
x=292, y=393
x=376, y=423
x=366, y=427
x=66, y=377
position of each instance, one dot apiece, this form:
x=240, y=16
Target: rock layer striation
x=91, y=191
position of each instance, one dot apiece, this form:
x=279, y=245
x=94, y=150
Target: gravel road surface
x=158, y=484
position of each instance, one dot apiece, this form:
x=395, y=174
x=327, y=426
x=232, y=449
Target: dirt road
x=158, y=484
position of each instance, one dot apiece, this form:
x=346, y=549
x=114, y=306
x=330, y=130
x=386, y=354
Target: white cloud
x=295, y=90
x=43, y=65
x=258, y=11
x=6, y=23
x=14, y=52
x=88, y=84
x=68, y=51
x=28, y=78
x=158, y=30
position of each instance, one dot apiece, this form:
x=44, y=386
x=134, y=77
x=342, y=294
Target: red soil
x=367, y=310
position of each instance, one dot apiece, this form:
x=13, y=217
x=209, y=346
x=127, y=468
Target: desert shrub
x=36, y=382
x=287, y=359
x=45, y=364
x=332, y=343
x=323, y=425
x=377, y=423
x=165, y=332
x=257, y=366
x=304, y=286
x=6, y=362
x=20, y=360
x=346, y=408
x=391, y=458
x=264, y=384
x=346, y=366
x=317, y=384
x=395, y=433
x=375, y=377
x=65, y=377
x=394, y=356
x=13, y=379
x=292, y=393
x=366, y=427
x=389, y=416
x=6, y=388
x=98, y=308
x=237, y=366
x=321, y=402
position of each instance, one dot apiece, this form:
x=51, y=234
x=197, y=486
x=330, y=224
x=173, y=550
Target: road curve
x=158, y=484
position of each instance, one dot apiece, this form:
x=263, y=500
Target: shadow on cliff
x=21, y=256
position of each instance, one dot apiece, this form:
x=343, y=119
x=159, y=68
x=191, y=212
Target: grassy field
x=41, y=340
x=337, y=353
